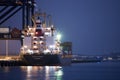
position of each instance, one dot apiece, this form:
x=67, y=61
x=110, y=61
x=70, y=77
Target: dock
x=85, y=61
x=11, y=61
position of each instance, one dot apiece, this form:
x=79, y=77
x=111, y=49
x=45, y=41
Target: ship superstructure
x=40, y=38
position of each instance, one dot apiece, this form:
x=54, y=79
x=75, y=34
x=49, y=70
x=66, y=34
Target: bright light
x=58, y=36
x=48, y=28
x=29, y=69
x=38, y=21
x=59, y=72
x=36, y=32
x=30, y=51
x=35, y=38
x=52, y=26
x=30, y=29
x=7, y=58
x=47, y=33
x=41, y=37
x=41, y=42
x=35, y=47
x=46, y=51
x=36, y=51
x=47, y=69
x=52, y=46
x=25, y=46
x=32, y=34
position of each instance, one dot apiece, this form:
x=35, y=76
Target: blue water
x=79, y=71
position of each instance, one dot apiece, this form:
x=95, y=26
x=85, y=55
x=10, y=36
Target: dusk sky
x=93, y=26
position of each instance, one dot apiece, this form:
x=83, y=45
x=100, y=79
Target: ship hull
x=44, y=60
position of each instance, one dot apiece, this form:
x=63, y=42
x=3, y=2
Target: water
x=79, y=71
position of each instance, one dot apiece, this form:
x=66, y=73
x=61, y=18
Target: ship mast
x=38, y=25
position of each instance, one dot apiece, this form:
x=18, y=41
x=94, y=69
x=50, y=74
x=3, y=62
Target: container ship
x=42, y=45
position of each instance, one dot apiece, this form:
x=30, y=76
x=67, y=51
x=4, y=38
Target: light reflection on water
x=80, y=71
x=42, y=73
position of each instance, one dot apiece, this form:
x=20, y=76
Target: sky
x=93, y=26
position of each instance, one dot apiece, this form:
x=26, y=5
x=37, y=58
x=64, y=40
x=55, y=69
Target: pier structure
x=10, y=58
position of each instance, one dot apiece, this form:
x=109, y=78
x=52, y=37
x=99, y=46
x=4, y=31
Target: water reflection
x=53, y=73
x=42, y=72
x=6, y=69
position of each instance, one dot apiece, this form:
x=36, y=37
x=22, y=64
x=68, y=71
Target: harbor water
x=76, y=71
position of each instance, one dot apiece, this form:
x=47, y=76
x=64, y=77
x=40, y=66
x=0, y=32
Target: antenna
x=49, y=20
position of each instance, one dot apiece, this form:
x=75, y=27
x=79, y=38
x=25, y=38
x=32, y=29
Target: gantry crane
x=11, y=7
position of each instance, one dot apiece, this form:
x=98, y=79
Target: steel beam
x=7, y=12
x=3, y=9
x=10, y=15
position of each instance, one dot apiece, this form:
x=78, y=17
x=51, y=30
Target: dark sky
x=93, y=26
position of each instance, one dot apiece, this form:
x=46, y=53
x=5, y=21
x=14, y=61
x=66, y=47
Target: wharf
x=85, y=61
x=21, y=63
x=11, y=61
